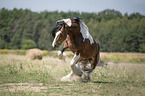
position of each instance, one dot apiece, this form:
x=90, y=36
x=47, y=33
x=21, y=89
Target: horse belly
x=89, y=51
x=85, y=49
x=88, y=54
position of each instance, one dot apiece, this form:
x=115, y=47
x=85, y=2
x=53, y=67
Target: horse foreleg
x=76, y=73
x=62, y=55
x=75, y=69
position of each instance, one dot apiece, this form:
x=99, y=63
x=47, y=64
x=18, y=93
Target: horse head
x=58, y=33
x=62, y=28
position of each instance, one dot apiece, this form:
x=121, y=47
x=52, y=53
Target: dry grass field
x=123, y=75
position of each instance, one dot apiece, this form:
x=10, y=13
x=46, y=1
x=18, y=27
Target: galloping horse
x=80, y=42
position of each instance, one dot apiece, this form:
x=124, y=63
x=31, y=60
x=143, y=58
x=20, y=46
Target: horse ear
x=75, y=18
x=63, y=25
x=68, y=22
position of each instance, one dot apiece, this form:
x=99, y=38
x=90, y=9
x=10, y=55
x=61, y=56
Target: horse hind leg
x=86, y=65
x=95, y=61
x=86, y=76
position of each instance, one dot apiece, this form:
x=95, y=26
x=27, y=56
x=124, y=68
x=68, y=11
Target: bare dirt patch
x=39, y=87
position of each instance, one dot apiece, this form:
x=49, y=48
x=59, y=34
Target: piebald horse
x=78, y=39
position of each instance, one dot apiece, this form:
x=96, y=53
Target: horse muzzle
x=56, y=45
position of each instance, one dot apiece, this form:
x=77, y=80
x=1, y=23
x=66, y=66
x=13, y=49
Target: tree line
x=24, y=29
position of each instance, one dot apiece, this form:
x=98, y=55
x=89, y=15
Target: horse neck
x=75, y=36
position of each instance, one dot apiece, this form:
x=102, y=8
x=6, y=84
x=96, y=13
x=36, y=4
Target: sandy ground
x=23, y=86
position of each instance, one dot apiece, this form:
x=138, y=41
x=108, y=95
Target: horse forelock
x=61, y=22
x=58, y=26
x=68, y=21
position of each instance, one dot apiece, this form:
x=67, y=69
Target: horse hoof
x=66, y=79
x=86, y=77
x=71, y=78
x=61, y=55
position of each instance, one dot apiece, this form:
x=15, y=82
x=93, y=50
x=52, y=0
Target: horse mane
x=84, y=29
x=85, y=32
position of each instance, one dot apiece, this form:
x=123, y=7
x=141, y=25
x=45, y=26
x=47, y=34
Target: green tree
x=115, y=32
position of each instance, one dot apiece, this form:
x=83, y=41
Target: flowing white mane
x=85, y=32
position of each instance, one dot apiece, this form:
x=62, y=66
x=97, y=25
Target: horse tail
x=96, y=58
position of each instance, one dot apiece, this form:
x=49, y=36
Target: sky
x=95, y=6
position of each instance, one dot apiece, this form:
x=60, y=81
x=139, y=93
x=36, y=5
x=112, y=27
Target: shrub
x=28, y=44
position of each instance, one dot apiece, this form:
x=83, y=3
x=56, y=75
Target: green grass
x=124, y=57
x=20, y=76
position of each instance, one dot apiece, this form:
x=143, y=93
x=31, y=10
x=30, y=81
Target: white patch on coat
x=85, y=32
x=53, y=44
